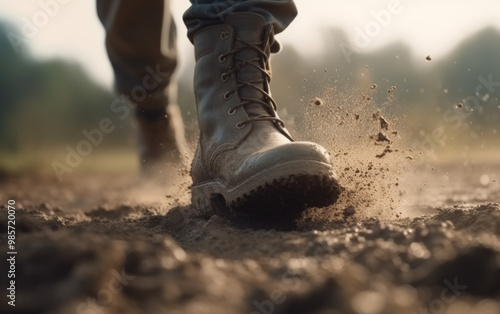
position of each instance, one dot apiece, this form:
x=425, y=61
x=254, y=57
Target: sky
x=428, y=27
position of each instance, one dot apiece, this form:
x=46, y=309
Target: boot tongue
x=249, y=28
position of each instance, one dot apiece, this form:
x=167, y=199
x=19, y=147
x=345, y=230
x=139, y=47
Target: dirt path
x=107, y=244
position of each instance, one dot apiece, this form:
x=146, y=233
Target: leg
x=203, y=13
x=245, y=153
x=141, y=45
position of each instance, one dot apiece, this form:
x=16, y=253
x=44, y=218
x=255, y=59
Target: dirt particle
x=459, y=105
x=373, y=86
x=385, y=152
x=356, y=116
x=316, y=101
x=381, y=137
x=428, y=58
x=383, y=123
x=349, y=211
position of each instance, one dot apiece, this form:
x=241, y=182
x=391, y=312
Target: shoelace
x=238, y=64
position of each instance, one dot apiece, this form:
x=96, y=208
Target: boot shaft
x=232, y=77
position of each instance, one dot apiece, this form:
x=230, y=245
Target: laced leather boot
x=245, y=155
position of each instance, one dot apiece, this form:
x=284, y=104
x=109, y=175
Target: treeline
x=49, y=103
x=46, y=103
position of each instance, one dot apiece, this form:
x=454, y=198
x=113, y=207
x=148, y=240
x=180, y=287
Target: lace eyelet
x=224, y=77
x=222, y=58
x=240, y=125
x=227, y=95
x=224, y=35
x=231, y=111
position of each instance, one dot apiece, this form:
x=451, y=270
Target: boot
x=160, y=135
x=246, y=159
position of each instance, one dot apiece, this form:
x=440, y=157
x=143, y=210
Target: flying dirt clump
x=384, y=124
x=391, y=93
x=349, y=211
x=365, y=149
x=316, y=101
x=386, y=150
x=381, y=137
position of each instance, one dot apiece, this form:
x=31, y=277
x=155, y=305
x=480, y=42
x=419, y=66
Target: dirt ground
x=404, y=237
x=113, y=244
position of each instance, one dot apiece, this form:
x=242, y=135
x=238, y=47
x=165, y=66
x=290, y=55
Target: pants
x=141, y=35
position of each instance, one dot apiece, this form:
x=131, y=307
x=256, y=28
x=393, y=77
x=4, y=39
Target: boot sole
x=286, y=189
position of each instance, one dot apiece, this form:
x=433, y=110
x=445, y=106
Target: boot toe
x=290, y=158
x=283, y=181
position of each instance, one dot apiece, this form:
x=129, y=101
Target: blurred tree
x=48, y=103
x=471, y=74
